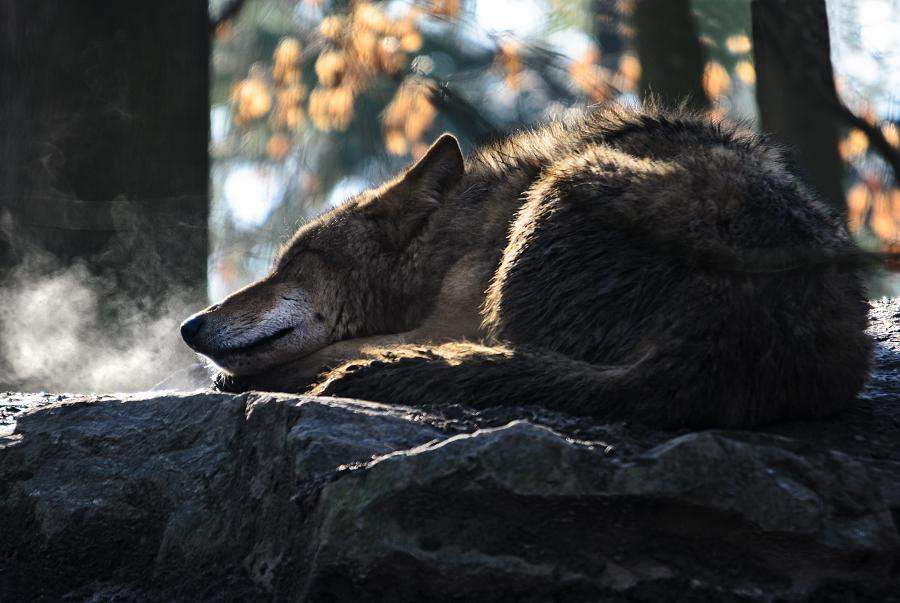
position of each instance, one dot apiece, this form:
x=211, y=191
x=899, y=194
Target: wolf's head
x=347, y=274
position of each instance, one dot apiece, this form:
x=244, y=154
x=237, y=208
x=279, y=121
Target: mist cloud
x=68, y=332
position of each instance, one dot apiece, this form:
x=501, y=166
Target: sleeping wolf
x=636, y=264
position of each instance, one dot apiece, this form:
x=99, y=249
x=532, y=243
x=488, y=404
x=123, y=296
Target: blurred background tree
x=104, y=122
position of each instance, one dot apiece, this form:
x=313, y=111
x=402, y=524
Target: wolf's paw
x=233, y=384
x=291, y=378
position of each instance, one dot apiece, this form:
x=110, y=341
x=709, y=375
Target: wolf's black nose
x=191, y=327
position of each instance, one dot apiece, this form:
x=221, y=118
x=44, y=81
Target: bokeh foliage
x=324, y=98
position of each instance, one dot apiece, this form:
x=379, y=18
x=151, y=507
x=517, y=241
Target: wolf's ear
x=402, y=208
x=440, y=167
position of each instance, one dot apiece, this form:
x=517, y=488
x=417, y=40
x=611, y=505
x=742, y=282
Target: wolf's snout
x=191, y=327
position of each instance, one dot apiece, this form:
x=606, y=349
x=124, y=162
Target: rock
x=259, y=497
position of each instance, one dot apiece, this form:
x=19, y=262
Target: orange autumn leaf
x=391, y=57
x=252, y=100
x=331, y=108
x=857, y=206
x=715, y=80
x=588, y=75
x=278, y=147
x=333, y=27
x=739, y=44
x=856, y=143
x=509, y=60
x=330, y=68
x=746, y=72
x=408, y=116
x=371, y=17
x=287, y=57
x=629, y=73
x=882, y=221
x=288, y=110
x=891, y=134
x=444, y=8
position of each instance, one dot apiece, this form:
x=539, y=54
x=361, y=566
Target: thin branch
x=461, y=109
x=831, y=101
x=874, y=134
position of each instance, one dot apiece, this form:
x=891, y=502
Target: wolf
x=632, y=264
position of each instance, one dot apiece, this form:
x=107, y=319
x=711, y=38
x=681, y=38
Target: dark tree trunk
x=672, y=59
x=104, y=122
x=798, y=103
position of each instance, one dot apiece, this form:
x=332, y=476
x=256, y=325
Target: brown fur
x=636, y=264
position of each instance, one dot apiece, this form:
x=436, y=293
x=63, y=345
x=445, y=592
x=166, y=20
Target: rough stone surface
x=260, y=497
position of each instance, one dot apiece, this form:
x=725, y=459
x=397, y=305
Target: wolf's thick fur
x=636, y=264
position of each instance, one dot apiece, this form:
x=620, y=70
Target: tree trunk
x=103, y=147
x=795, y=88
x=672, y=59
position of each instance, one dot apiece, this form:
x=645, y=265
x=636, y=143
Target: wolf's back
x=663, y=269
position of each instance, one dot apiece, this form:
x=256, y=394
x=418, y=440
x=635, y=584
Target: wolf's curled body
x=636, y=264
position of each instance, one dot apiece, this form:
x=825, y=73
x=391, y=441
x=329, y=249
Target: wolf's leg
x=651, y=386
x=480, y=377
x=299, y=375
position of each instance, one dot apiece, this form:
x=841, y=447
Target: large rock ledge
x=261, y=497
